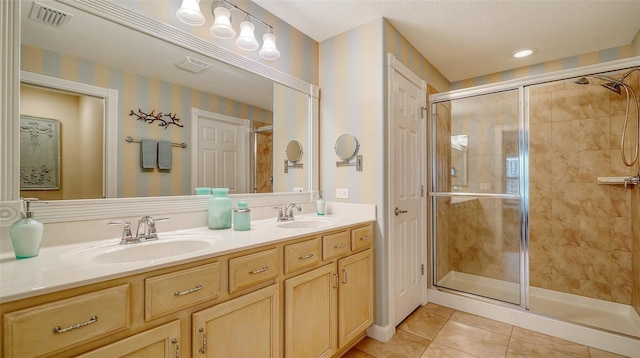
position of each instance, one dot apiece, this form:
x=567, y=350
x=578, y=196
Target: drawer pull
x=175, y=341
x=195, y=289
x=307, y=256
x=339, y=246
x=364, y=238
x=262, y=269
x=203, y=349
x=92, y=319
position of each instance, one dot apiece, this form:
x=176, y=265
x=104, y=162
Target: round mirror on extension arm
x=346, y=147
x=294, y=151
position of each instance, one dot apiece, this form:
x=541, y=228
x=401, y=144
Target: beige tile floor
x=437, y=331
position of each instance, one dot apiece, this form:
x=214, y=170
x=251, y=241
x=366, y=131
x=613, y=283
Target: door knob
x=398, y=211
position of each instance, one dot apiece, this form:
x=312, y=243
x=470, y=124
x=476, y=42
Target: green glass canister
x=242, y=217
x=219, y=210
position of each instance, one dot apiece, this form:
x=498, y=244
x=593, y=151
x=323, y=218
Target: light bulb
x=221, y=27
x=269, y=50
x=189, y=13
x=247, y=40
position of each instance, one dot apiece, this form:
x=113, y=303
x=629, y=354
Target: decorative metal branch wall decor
x=152, y=117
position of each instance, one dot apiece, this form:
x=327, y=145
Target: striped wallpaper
x=611, y=54
x=352, y=79
x=139, y=92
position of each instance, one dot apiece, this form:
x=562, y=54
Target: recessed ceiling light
x=523, y=52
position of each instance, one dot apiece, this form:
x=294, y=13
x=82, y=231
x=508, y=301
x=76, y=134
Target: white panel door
x=407, y=216
x=222, y=159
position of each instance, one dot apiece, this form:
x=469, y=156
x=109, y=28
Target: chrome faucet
x=146, y=230
x=286, y=213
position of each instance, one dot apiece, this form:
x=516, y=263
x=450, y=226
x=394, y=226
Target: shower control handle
x=398, y=211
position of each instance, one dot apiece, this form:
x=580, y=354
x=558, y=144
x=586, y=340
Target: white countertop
x=56, y=268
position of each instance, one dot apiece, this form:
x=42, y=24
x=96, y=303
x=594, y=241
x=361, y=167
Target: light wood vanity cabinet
x=330, y=307
x=159, y=342
x=247, y=326
x=317, y=290
x=51, y=327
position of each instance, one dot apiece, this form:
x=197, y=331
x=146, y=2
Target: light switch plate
x=485, y=187
x=342, y=193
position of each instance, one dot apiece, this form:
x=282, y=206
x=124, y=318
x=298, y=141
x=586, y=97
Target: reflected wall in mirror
x=150, y=80
x=459, y=159
x=80, y=118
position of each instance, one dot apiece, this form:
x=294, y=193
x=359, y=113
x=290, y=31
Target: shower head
x=582, y=81
x=612, y=86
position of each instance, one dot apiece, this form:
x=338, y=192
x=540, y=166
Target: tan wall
x=80, y=161
x=580, y=232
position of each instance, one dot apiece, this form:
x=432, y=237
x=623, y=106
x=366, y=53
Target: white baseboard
x=380, y=333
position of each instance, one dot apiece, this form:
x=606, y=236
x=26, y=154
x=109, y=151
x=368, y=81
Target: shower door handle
x=398, y=211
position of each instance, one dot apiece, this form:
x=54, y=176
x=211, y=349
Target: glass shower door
x=476, y=195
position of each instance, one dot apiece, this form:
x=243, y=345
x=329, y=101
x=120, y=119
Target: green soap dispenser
x=26, y=233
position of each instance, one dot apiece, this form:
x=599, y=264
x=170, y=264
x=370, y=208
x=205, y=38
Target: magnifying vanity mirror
x=178, y=74
x=294, y=154
x=294, y=151
x=346, y=148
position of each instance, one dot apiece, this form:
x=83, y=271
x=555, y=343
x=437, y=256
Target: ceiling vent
x=50, y=16
x=192, y=65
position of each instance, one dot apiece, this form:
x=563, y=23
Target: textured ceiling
x=466, y=39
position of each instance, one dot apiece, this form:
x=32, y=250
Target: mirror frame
x=72, y=210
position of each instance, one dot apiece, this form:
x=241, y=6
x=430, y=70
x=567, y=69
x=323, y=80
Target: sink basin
x=144, y=251
x=306, y=223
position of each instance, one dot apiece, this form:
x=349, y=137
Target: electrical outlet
x=485, y=187
x=297, y=189
x=342, y=193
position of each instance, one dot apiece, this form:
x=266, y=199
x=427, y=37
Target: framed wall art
x=39, y=153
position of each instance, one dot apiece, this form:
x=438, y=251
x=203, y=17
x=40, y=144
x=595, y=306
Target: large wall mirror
x=153, y=75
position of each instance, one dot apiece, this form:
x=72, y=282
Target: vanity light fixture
x=189, y=13
x=223, y=29
x=523, y=52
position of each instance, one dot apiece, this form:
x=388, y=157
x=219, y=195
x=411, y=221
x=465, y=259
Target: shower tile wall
x=580, y=231
x=264, y=159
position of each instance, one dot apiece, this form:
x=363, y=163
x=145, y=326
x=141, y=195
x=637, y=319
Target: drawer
x=178, y=290
x=361, y=237
x=246, y=271
x=53, y=326
x=301, y=255
x=334, y=245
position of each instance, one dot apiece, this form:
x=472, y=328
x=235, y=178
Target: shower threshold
x=609, y=316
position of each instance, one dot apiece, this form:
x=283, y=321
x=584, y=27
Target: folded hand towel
x=148, y=153
x=164, y=154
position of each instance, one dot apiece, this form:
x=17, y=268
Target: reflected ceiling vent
x=50, y=16
x=192, y=65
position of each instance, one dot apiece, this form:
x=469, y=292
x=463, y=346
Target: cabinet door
x=163, y=341
x=311, y=313
x=247, y=326
x=355, y=295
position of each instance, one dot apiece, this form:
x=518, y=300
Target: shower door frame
x=522, y=197
x=522, y=86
